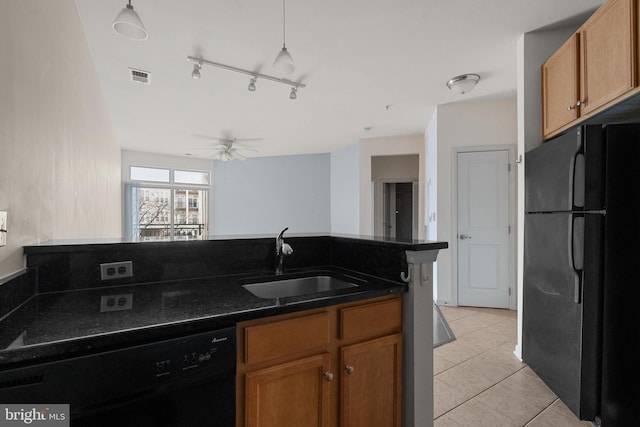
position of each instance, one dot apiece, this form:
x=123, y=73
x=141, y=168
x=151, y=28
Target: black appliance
x=582, y=239
x=186, y=381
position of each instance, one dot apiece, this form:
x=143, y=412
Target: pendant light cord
x=284, y=24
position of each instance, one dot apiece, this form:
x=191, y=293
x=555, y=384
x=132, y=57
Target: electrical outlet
x=116, y=270
x=116, y=302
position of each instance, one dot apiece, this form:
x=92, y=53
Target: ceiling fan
x=228, y=148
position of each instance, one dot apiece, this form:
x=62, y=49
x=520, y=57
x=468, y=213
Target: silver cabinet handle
x=349, y=369
x=572, y=107
x=328, y=376
x=464, y=237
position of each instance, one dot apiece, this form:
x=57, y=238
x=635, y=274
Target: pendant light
x=129, y=25
x=284, y=61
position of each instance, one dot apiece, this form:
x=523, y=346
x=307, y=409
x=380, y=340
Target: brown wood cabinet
x=608, y=54
x=372, y=365
x=560, y=87
x=328, y=367
x=290, y=394
x=594, y=69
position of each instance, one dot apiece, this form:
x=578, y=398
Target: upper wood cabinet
x=608, y=54
x=592, y=70
x=560, y=87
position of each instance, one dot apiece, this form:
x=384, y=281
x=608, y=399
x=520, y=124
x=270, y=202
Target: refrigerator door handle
x=577, y=254
x=578, y=178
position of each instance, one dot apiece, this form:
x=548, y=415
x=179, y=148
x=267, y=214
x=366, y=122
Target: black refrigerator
x=582, y=243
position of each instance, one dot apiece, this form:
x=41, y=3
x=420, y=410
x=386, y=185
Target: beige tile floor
x=478, y=381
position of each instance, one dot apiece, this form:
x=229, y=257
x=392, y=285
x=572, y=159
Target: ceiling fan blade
x=197, y=135
x=246, y=139
x=207, y=149
x=238, y=156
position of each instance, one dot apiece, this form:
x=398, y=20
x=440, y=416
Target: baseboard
x=518, y=352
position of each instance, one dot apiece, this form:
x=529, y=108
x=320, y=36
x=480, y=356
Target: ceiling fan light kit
x=227, y=149
x=128, y=24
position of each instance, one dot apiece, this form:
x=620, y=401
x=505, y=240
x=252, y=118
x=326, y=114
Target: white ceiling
x=356, y=56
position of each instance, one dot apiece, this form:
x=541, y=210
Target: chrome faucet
x=282, y=249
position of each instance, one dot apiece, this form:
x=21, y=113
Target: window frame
x=172, y=186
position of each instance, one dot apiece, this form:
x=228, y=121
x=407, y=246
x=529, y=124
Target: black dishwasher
x=186, y=381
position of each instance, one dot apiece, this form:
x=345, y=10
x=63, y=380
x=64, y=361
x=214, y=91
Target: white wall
x=463, y=124
x=266, y=194
x=345, y=211
x=59, y=161
x=431, y=189
x=388, y=146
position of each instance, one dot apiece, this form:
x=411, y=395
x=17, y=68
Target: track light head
x=252, y=85
x=294, y=93
x=196, y=71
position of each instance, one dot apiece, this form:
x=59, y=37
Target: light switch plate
x=3, y=228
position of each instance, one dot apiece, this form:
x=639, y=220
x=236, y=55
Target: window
x=191, y=177
x=166, y=204
x=149, y=174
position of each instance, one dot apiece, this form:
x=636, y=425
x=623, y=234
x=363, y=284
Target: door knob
x=328, y=376
x=464, y=237
x=349, y=369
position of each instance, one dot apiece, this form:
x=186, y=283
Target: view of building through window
x=171, y=212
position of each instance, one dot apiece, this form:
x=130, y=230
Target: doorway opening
x=400, y=210
x=395, y=181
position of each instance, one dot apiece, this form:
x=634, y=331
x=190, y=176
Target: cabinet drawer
x=286, y=337
x=370, y=320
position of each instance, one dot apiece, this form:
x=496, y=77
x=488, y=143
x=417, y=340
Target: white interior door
x=483, y=229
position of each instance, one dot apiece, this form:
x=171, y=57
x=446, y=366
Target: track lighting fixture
x=196, y=71
x=199, y=62
x=284, y=61
x=128, y=24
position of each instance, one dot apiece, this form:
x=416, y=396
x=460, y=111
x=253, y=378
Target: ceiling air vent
x=140, y=76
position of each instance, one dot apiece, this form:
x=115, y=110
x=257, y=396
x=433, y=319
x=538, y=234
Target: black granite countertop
x=66, y=245
x=54, y=325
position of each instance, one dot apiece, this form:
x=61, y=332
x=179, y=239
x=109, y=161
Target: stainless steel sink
x=297, y=287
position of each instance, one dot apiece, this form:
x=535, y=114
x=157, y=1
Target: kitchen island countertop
x=70, y=323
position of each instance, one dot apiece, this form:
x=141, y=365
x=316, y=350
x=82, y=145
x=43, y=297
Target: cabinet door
x=291, y=394
x=560, y=87
x=372, y=383
x=608, y=54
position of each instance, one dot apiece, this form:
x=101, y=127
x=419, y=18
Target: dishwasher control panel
x=212, y=349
